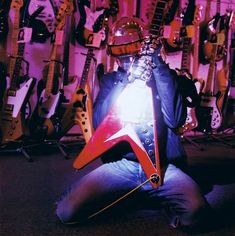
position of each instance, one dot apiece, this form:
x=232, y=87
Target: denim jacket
x=170, y=108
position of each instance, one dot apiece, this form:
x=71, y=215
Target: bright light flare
x=135, y=103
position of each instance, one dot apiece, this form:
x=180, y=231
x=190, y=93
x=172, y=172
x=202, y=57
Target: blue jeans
x=179, y=194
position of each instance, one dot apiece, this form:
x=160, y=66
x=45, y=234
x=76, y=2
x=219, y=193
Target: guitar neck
x=158, y=18
x=232, y=61
x=218, y=6
x=17, y=53
x=211, y=72
x=186, y=54
x=14, y=41
x=207, y=11
x=87, y=64
x=196, y=51
x=51, y=70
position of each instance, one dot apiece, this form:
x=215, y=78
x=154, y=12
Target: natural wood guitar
x=45, y=121
x=79, y=110
x=16, y=96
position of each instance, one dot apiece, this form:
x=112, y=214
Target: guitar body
x=47, y=104
x=208, y=113
x=174, y=42
x=87, y=22
x=45, y=121
x=191, y=122
x=44, y=24
x=207, y=49
x=79, y=112
x=118, y=126
x=13, y=112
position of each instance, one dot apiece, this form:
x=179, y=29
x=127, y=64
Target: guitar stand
x=19, y=149
x=59, y=145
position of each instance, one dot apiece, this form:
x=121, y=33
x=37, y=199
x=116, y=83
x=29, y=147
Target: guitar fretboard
x=186, y=54
x=158, y=18
x=86, y=68
x=211, y=71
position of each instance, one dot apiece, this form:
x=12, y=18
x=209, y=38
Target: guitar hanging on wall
x=214, y=25
x=17, y=95
x=174, y=42
x=79, y=110
x=45, y=121
x=117, y=126
x=208, y=114
x=187, y=33
x=91, y=17
x=44, y=24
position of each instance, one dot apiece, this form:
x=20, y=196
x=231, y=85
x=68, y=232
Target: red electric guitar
x=126, y=122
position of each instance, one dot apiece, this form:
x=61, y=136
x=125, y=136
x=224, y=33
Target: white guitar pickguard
x=18, y=100
x=48, y=104
x=216, y=118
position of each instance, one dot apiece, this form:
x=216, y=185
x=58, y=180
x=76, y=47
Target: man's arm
x=172, y=100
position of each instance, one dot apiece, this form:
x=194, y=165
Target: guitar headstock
x=197, y=15
x=17, y=4
x=66, y=8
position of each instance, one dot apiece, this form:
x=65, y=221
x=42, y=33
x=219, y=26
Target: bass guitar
x=191, y=30
x=125, y=125
x=16, y=96
x=45, y=121
x=208, y=114
x=79, y=110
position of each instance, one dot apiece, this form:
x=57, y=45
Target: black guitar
x=91, y=17
x=44, y=24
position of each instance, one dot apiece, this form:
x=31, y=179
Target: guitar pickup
x=8, y=107
x=11, y=93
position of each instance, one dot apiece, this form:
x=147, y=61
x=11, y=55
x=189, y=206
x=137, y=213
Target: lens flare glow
x=135, y=103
